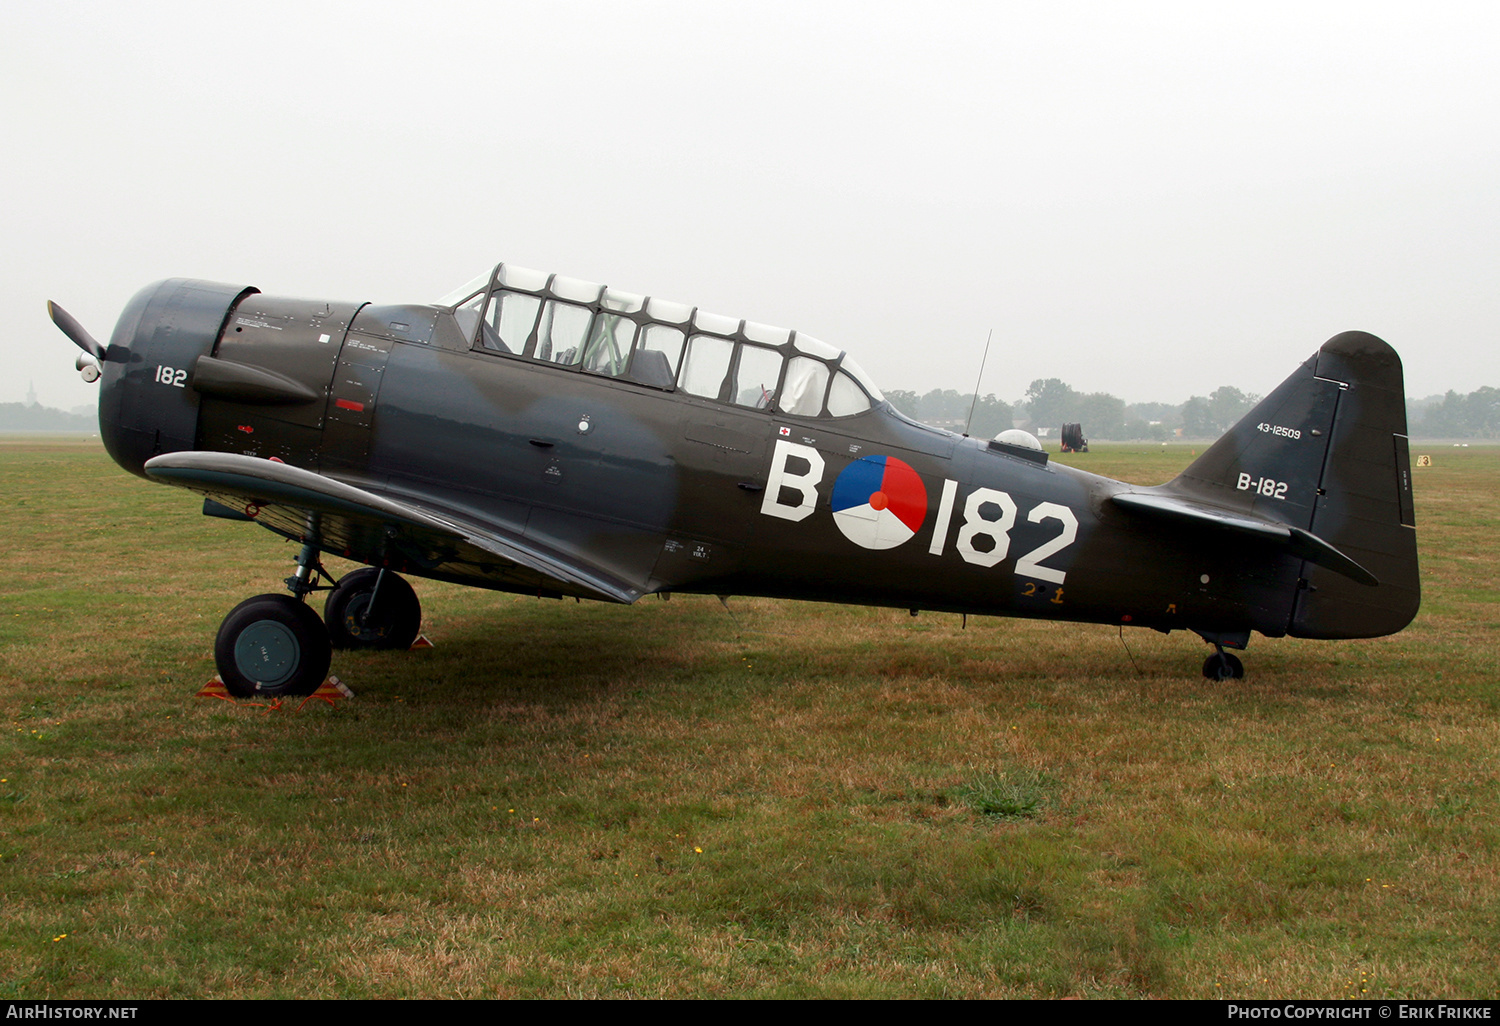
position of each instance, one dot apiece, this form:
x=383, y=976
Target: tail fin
x=1327, y=452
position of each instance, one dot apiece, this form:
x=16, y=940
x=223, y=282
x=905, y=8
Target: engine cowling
x=208, y=365
x=146, y=406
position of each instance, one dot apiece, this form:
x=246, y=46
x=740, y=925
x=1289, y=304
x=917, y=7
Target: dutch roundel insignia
x=879, y=502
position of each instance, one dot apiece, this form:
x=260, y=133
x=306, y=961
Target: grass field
x=569, y=799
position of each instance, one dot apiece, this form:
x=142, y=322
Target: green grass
x=569, y=799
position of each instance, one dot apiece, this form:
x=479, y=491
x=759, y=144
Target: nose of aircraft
x=146, y=404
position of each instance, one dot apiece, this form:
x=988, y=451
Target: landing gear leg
x=304, y=580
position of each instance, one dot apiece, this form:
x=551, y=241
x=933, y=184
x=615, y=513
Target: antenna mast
x=975, y=401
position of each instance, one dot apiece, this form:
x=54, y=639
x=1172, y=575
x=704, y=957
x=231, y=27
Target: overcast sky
x=1147, y=199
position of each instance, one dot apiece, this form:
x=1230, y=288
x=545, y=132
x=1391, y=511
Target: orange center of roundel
x=879, y=501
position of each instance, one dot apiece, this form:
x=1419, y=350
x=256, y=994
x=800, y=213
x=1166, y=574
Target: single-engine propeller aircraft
x=539, y=434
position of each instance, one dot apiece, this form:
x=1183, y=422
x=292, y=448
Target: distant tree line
x=23, y=417
x=944, y=407
x=1476, y=415
x=1051, y=402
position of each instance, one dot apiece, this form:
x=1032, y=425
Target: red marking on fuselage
x=908, y=496
x=348, y=404
x=247, y=429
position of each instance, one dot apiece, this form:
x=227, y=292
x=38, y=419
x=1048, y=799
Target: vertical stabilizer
x=1271, y=463
x=1365, y=505
x=1326, y=452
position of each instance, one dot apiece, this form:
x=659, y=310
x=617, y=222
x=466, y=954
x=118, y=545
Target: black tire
x=1223, y=666
x=393, y=623
x=272, y=645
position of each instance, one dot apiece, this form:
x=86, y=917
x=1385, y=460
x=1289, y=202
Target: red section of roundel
x=905, y=494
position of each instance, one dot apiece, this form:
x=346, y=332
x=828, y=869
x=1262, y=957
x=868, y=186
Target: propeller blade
x=75, y=331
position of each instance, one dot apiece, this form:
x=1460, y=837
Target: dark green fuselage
x=670, y=491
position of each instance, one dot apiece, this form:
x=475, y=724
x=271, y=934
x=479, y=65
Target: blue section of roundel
x=859, y=480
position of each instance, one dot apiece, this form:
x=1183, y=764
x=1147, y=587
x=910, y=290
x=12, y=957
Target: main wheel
x=1223, y=666
x=272, y=645
x=392, y=622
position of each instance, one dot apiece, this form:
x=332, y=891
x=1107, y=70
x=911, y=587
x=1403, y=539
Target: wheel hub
x=363, y=622
x=267, y=652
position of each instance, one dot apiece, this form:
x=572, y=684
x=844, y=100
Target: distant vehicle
x=547, y=436
x=1073, y=440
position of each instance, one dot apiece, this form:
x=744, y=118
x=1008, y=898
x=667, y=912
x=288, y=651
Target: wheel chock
x=331, y=691
x=422, y=642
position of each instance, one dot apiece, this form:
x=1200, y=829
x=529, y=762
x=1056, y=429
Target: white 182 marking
x=170, y=376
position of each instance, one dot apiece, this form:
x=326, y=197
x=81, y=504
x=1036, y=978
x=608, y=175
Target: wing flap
x=300, y=504
x=1294, y=540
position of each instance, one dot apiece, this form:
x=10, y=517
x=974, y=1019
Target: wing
x=1293, y=540
x=343, y=519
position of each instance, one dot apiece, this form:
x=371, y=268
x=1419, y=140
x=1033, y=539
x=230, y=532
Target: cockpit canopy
x=531, y=315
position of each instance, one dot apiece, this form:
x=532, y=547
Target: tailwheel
x=1223, y=666
x=372, y=608
x=272, y=645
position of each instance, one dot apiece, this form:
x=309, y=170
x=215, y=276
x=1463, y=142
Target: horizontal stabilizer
x=299, y=503
x=1294, y=540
